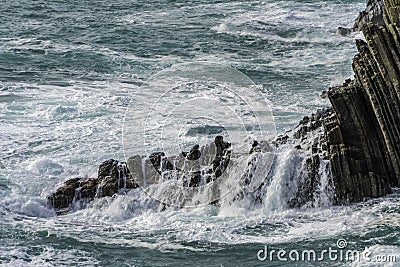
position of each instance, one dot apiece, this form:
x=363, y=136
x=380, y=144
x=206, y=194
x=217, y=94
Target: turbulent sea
x=69, y=70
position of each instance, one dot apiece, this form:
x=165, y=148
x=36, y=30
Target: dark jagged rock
x=112, y=177
x=358, y=136
x=73, y=189
x=363, y=135
x=222, y=156
x=115, y=177
x=303, y=184
x=344, y=31
x=160, y=162
x=196, y=167
x=373, y=13
x=255, y=147
x=361, y=132
x=64, y=196
x=309, y=138
x=194, y=153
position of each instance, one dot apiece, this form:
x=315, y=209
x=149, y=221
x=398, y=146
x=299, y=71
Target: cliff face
x=363, y=134
x=355, y=142
x=373, y=13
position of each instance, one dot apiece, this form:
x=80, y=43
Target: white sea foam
x=48, y=256
x=221, y=28
x=52, y=133
x=45, y=166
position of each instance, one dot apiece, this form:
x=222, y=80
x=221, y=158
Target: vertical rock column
x=364, y=135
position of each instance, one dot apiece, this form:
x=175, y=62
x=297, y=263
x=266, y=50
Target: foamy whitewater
x=69, y=70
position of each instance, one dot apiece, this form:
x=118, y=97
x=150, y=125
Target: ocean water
x=70, y=71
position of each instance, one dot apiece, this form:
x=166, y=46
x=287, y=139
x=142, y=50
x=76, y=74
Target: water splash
x=122, y=175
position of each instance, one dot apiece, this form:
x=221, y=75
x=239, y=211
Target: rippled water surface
x=68, y=71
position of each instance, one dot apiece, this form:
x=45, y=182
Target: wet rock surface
x=117, y=177
x=363, y=135
x=373, y=13
x=309, y=142
x=360, y=134
x=355, y=142
x=113, y=177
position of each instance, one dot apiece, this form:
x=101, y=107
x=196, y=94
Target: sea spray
x=326, y=191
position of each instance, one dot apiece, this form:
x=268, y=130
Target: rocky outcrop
x=309, y=137
x=360, y=134
x=363, y=135
x=356, y=141
x=373, y=13
x=309, y=140
x=118, y=177
x=113, y=177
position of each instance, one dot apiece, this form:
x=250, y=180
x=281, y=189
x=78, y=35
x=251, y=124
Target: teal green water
x=67, y=73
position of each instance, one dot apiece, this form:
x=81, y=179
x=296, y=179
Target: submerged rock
x=344, y=31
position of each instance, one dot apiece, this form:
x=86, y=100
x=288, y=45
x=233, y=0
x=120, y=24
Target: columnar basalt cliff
x=356, y=142
x=373, y=13
x=363, y=134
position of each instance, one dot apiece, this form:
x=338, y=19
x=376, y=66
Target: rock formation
x=363, y=134
x=357, y=139
x=115, y=177
x=373, y=13
x=360, y=134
